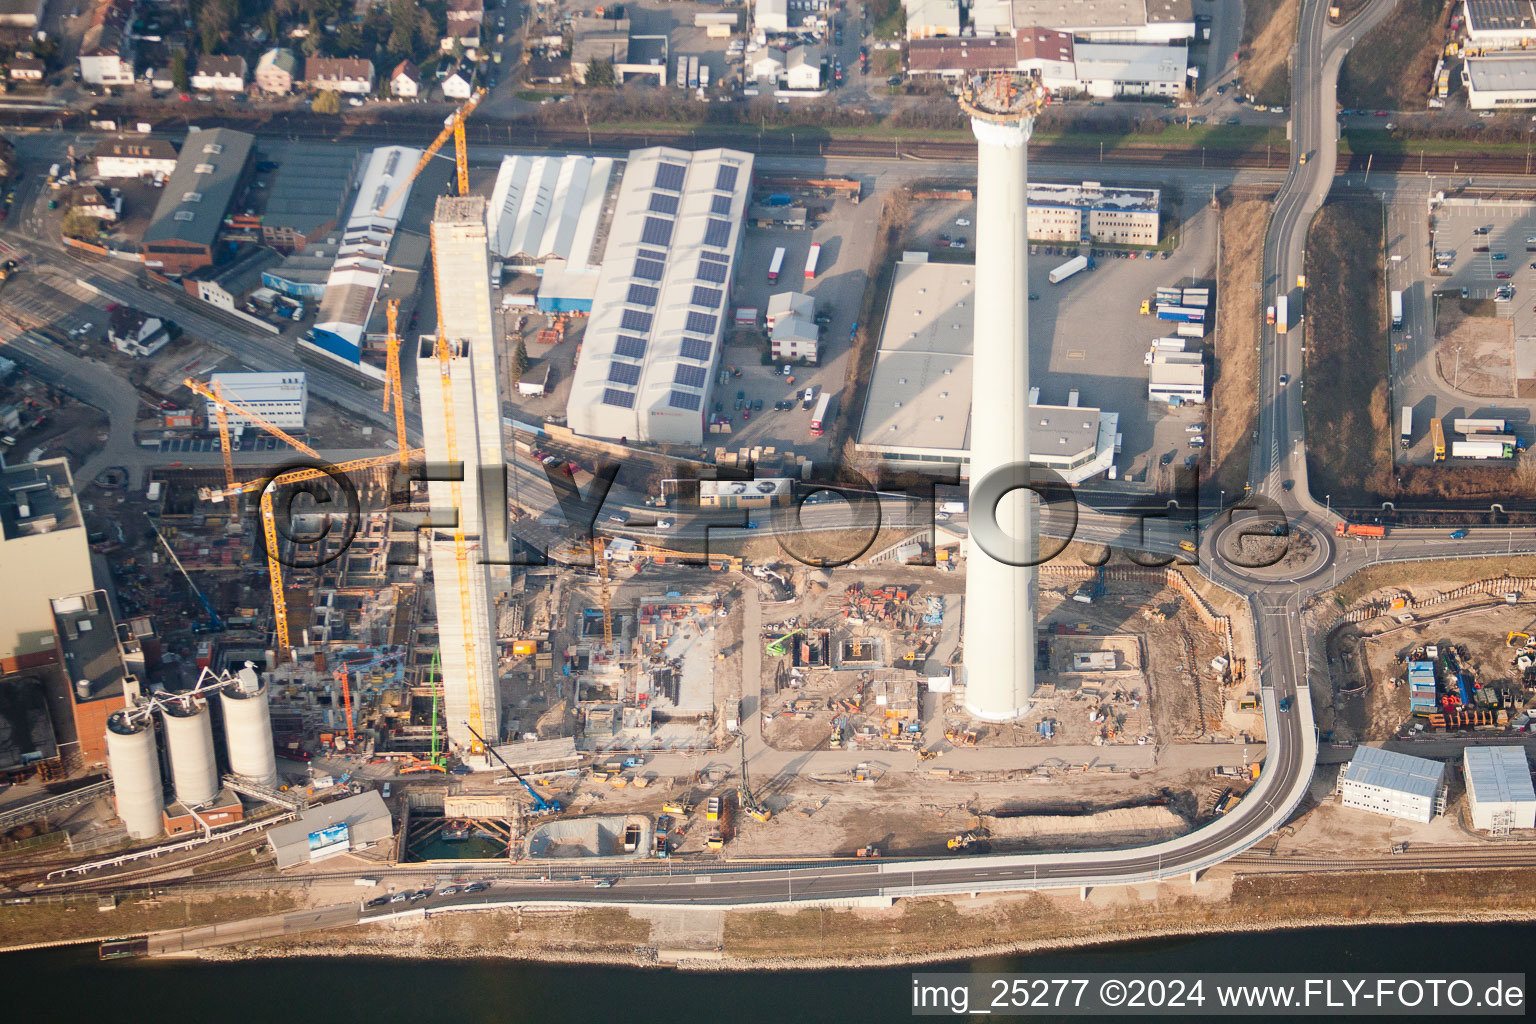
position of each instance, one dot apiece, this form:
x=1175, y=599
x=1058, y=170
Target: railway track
x=418, y=129
x=1459, y=860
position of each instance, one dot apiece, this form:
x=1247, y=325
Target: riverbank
x=924, y=930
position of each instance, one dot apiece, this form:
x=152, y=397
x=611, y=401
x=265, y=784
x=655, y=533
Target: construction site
x=1415, y=661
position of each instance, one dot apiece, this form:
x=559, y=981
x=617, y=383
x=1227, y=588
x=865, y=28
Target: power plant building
x=651, y=349
x=354, y=823
x=1499, y=792
x=461, y=422
x=43, y=553
x=918, y=409
x=1397, y=785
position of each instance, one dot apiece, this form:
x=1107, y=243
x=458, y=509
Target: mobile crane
x=541, y=803
x=214, y=622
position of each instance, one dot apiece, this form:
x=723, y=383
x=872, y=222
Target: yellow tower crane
x=392, y=386
x=454, y=127
x=269, y=525
x=214, y=392
x=600, y=555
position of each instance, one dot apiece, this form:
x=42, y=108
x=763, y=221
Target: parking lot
x=1487, y=367
x=846, y=236
x=1088, y=333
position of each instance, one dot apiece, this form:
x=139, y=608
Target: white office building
x=1500, y=81
x=1174, y=381
x=1107, y=70
x=281, y=398
x=1499, y=792
x=1397, y=785
x=461, y=422
x=647, y=364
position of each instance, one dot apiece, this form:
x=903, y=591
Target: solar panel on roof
x=721, y=205
x=622, y=399
x=624, y=373
x=714, y=257
x=657, y=231
x=701, y=323
x=662, y=203
x=696, y=348
x=642, y=295
x=649, y=270
x=725, y=178
x=670, y=176
x=709, y=298
x=634, y=320
x=717, y=233
x=630, y=347
x=683, y=400
x=712, y=272
x=690, y=376
x=652, y=254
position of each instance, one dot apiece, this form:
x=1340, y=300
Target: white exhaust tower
x=1000, y=587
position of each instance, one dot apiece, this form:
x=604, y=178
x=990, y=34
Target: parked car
x=961, y=222
x=1503, y=275
x=377, y=901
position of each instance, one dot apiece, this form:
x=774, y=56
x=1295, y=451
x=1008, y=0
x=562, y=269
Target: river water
x=71, y=984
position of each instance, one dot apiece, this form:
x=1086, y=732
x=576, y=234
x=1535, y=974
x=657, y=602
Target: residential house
x=160, y=79
x=339, y=74
x=136, y=333
x=276, y=72
x=93, y=202
x=471, y=12
x=21, y=13
x=465, y=33
x=219, y=73
x=768, y=66
x=106, y=49
x=802, y=68
x=132, y=156
x=405, y=81
x=460, y=83
x=27, y=68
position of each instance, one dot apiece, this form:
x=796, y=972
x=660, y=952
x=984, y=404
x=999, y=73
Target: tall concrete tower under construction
x=461, y=424
x=1000, y=581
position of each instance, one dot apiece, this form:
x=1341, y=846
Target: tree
x=520, y=360
x=79, y=225
x=326, y=102
x=348, y=40
x=215, y=18
x=599, y=73
x=269, y=22
x=403, y=28
x=179, y=69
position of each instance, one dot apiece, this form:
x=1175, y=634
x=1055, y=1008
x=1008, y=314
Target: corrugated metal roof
x=1499, y=775
x=1387, y=769
x=545, y=207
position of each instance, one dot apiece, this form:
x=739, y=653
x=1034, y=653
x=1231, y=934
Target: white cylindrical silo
x=136, y=775
x=189, y=735
x=248, y=729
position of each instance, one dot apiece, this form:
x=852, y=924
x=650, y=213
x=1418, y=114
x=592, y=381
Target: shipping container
x=1397, y=311
x=776, y=265
x=1068, y=268
x=1170, y=296
x=1169, y=345
x=1191, y=330
x=1200, y=297
x=1478, y=426
x=1183, y=314
x=810, y=262
x=1405, y=432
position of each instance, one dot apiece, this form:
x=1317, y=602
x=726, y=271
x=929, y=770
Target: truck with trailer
x=1405, y=432
x=1482, y=449
x=1068, y=268
x=820, y=416
x=682, y=72
x=1397, y=311
x=1437, y=437
x=693, y=72
x=811, y=261
x=775, y=265
x=1182, y=314
x=1282, y=321
x=1478, y=426
x=1358, y=530
x=1191, y=330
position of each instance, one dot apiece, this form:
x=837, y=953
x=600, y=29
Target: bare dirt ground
x=1234, y=403
x=1293, y=550
x=1269, y=31
x=1475, y=354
